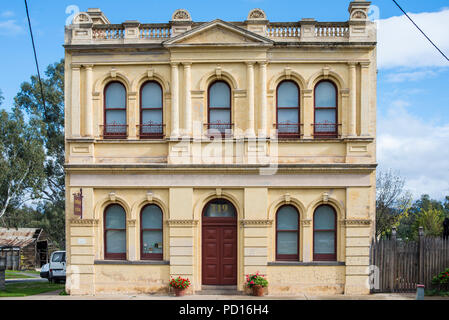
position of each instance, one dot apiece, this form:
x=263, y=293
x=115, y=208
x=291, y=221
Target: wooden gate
x=398, y=266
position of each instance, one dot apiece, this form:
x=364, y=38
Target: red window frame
x=327, y=134
x=155, y=135
x=291, y=135
x=227, y=126
x=151, y=256
x=287, y=257
x=112, y=256
x=321, y=256
x=114, y=135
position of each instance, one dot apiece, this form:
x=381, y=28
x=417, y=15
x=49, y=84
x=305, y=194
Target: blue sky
x=413, y=82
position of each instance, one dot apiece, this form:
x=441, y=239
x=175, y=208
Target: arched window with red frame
x=325, y=234
x=287, y=110
x=151, y=233
x=115, y=125
x=219, y=108
x=151, y=110
x=326, y=110
x=115, y=232
x=287, y=234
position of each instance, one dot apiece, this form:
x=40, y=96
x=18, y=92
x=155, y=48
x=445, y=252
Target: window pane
x=324, y=242
x=115, y=96
x=325, y=95
x=151, y=96
x=219, y=95
x=152, y=241
x=325, y=120
x=286, y=117
x=115, y=217
x=324, y=218
x=152, y=116
x=116, y=241
x=287, y=218
x=152, y=217
x=116, y=117
x=288, y=95
x=287, y=243
x=219, y=116
x=220, y=208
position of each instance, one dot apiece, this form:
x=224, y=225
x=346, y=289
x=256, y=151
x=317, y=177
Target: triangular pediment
x=218, y=33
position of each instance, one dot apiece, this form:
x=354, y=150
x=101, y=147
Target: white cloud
x=7, y=14
x=417, y=149
x=400, y=44
x=10, y=28
x=415, y=75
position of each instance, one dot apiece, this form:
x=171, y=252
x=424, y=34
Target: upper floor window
x=151, y=232
x=326, y=110
x=287, y=233
x=288, y=110
x=151, y=114
x=219, y=108
x=324, y=234
x=115, y=111
x=115, y=232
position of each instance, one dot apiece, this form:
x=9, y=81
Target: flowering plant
x=179, y=283
x=442, y=278
x=256, y=279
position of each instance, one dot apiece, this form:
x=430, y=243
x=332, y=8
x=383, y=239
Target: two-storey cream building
x=217, y=149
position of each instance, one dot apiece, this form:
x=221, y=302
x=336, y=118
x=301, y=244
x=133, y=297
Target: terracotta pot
x=257, y=290
x=179, y=292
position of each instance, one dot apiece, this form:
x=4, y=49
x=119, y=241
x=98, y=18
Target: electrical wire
x=421, y=30
x=35, y=59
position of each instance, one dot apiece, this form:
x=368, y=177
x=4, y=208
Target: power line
x=421, y=30
x=35, y=59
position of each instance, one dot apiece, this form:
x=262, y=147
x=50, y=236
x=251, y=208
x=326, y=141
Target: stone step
x=219, y=290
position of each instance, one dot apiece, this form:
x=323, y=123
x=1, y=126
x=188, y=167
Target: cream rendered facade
x=253, y=169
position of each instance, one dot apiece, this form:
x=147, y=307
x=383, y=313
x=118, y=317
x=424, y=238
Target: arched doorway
x=219, y=243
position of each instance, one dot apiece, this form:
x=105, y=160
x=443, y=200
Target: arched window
x=288, y=110
x=115, y=111
x=151, y=232
x=151, y=121
x=324, y=234
x=326, y=116
x=219, y=208
x=115, y=232
x=219, y=108
x=287, y=233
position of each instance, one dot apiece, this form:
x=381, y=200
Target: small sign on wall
x=78, y=204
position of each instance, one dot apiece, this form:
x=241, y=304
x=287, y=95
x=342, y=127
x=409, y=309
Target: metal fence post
x=421, y=255
x=2, y=272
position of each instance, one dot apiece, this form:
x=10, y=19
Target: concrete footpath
x=55, y=296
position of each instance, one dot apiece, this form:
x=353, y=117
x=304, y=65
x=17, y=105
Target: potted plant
x=179, y=285
x=256, y=282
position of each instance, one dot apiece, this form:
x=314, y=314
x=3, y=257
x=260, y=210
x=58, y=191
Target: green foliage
x=431, y=220
x=256, y=280
x=21, y=165
x=441, y=278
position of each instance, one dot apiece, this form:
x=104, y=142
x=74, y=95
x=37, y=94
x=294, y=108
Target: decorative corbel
x=150, y=73
x=113, y=73
x=218, y=192
x=287, y=198
x=325, y=197
x=218, y=72
x=288, y=73
x=112, y=196
x=150, y=196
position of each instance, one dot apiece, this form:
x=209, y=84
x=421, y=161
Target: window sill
x=313, y=263
x=128, y=262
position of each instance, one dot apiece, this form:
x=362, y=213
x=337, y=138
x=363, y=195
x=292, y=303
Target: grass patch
x=10, y=274
x=29, y=288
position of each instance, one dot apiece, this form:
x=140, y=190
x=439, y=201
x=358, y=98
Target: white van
x=56, y=270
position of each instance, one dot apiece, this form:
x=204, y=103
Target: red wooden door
x=219, y=251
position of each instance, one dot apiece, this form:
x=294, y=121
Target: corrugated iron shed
x=20, y=238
